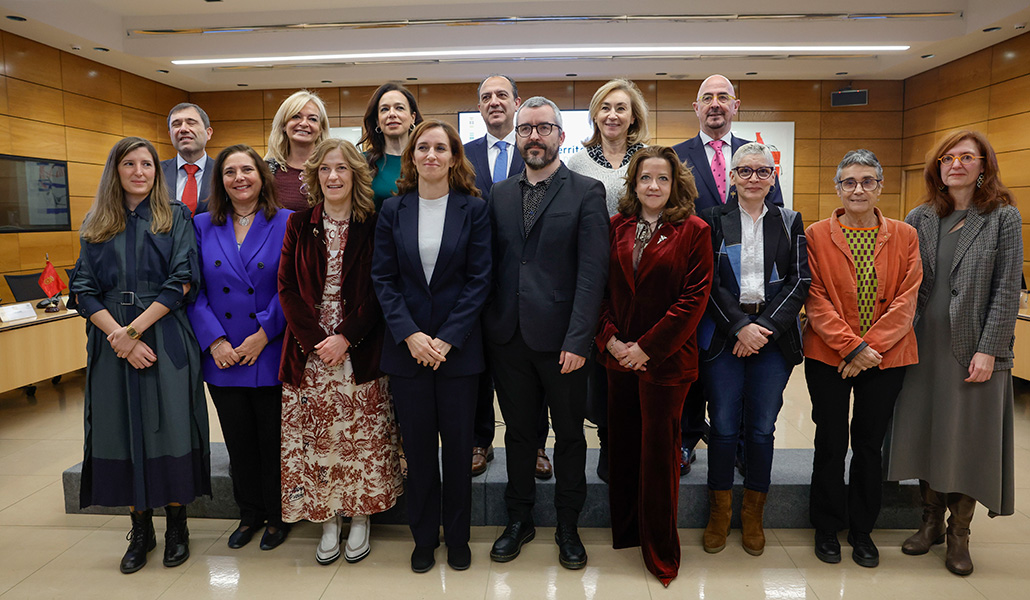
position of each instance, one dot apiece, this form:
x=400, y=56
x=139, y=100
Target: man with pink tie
x=708, y=156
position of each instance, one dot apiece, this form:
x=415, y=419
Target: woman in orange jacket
x=866, y=273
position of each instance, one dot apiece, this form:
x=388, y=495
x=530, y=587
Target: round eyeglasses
x=760, y=172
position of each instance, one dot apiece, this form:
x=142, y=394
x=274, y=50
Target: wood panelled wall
x=822, y=134
x=58, y=105
x=988, y=91
x=55, y=104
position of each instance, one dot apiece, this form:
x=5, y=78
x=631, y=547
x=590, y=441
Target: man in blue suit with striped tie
x=495, y=158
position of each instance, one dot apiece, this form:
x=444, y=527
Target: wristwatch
x=131, y=331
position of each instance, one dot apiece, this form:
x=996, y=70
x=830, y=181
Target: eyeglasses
x=747, y=172
x=544, y=129
x=722, y=97
x=868, y=184
x=965, y=158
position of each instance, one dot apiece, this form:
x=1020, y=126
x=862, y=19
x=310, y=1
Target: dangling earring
x=378, y=130
x=412, y=128
x=979, y=181
x=943, y=188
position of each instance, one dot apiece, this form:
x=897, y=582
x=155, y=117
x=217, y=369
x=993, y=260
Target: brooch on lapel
x=661, y=239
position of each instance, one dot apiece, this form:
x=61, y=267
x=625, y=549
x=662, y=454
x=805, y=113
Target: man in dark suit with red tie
x=188, y=174
x=495, y=157
x=708, y=156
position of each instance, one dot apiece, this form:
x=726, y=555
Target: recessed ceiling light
x=570, y=74
x=165, y=71
x=751, y=73
x=842, y=72
x=992, y=29
x=17, y=18
x=928, y=55
x=242, y=84
x=661, y=74
x=558, y=51
x=412, y=79
x=327, y=81
x=101, y=49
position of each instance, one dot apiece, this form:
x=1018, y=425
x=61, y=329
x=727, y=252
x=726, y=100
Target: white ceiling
x=107, y=23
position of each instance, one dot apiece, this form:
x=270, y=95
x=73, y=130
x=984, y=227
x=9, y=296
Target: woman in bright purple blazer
x=239, y=322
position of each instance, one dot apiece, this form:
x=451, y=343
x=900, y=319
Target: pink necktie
x=719, y=169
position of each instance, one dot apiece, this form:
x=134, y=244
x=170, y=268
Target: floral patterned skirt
x=340, y=445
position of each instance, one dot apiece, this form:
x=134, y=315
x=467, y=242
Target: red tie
x=189, y=193
x=719, y=169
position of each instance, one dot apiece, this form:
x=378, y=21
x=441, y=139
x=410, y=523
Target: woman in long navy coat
x=239, y=323
x=146, y=438
x=431, y=272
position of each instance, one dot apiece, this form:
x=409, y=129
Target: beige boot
x=932, y=530
x=751, y=512
x=720, y=509
x=957, y=558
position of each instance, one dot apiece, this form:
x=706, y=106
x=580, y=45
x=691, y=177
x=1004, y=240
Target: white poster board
x=779, y=136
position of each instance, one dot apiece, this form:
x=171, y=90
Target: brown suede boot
x=720, y=509
x=957, y=558
x=751, y=513
x=932, y=530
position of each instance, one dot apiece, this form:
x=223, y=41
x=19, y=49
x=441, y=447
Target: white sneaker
x=358, y=545
x=329, y=547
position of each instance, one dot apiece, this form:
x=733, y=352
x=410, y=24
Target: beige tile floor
x=45, y=553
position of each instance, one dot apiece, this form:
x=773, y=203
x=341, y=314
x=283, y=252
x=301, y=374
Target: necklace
x=245, y=220
x=646, y=229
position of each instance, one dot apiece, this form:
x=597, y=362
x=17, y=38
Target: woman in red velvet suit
x=339, y=436
x=659, y=280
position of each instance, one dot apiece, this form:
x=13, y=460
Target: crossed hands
x=629, y=354
x=866, y=359
x=750, y=339
x=429, y=352
x=139, y=355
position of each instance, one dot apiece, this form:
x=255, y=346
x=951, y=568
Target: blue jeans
x=752, y=387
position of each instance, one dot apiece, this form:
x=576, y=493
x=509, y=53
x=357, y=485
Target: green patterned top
x=863, y=244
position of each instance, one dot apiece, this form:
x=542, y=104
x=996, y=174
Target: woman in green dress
x=390, y=117
x=146, y=438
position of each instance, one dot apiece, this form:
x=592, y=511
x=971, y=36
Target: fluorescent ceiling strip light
x=537, y=51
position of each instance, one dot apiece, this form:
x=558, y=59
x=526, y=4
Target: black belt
x=752, y=309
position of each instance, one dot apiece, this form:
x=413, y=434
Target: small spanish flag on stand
x=49, y=282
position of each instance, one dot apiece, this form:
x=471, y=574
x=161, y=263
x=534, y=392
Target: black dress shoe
x=270, y=539
x=459, y=557
x=508, y=546
x=571, y=553
x=827, y=547
x=241, y=537
x=687, y=456
x=863, y=549
x=422, y=558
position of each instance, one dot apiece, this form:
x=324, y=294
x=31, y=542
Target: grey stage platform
x=787, y=506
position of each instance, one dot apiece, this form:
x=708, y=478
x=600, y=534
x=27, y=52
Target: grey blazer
x=984, y=280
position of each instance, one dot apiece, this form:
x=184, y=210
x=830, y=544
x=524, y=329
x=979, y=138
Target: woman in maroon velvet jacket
x=658, y=285
x=339, y=436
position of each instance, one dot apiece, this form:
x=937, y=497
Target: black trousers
x=436, y=412
x=528, y=381
x=251, y=421
x=693, y=425
x=485, y=418
x=830, y=507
